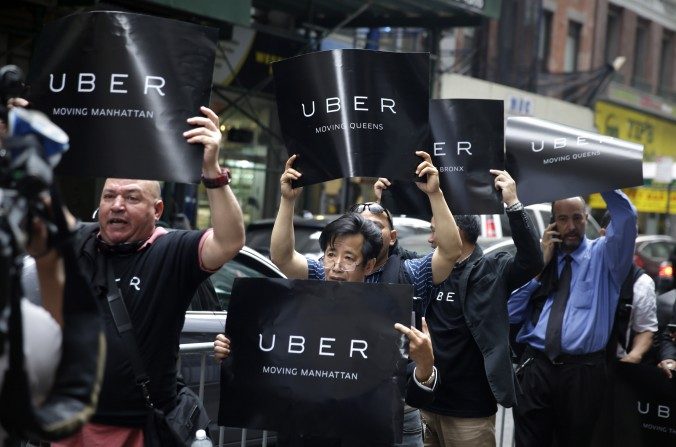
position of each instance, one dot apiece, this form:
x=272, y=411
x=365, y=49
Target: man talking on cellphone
x=567, y=314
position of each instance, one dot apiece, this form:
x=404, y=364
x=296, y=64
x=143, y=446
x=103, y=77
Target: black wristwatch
x=217, y=182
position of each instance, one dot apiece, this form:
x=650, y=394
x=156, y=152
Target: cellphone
x=671, y=327
x=551, y=221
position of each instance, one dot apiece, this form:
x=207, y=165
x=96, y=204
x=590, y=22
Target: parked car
x=652, y=253
x=205, y=319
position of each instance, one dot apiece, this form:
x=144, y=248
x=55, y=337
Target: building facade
x=551, y=59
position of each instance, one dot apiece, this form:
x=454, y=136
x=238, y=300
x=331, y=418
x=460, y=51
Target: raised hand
x=426, y=168
x=288, y=176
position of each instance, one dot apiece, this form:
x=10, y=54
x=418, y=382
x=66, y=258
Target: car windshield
x=225, y=276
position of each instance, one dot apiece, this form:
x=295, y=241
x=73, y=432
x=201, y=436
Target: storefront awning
x=232, y=11
x=383, y=13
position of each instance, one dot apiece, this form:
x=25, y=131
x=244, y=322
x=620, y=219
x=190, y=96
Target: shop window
x=572, y=52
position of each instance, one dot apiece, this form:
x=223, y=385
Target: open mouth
x=116, y=221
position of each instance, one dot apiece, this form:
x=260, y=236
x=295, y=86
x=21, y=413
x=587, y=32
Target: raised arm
x=447, y=236
x=227, y=237
x=527, y=262
x=282, y=240
x=620, y=234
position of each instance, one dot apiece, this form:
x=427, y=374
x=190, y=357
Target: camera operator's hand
x=48, y=262
x=16, y=102
x=49, y=266
x=11, y=103
x=38, y=242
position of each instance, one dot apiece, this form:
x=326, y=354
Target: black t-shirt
x=463, y=389
x=157, y=284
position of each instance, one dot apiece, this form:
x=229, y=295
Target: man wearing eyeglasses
x=351, y=245
x=422, y=273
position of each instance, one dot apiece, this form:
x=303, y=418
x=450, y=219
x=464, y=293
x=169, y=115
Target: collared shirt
x=643, y=317
x=599, y=267
x=419, y=271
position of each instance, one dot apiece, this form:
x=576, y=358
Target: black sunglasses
x=373, y=207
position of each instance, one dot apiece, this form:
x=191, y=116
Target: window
x=572, y=46
x=667, y=65
x=640, y=76
x=545, y=42
x=613, y=27
x=243, y=266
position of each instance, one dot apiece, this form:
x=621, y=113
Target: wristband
x=430, y=380
x=221, y=180
x=518, y=206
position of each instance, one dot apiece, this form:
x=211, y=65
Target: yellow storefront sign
x=646, y=200
x=657, y=135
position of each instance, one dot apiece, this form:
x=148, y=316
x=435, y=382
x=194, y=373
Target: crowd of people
x=570, y=301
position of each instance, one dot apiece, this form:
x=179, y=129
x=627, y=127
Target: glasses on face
x=346, y=265
x=373, y=207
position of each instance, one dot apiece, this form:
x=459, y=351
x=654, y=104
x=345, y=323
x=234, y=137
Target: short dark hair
x=349, y=224
x=470, y=224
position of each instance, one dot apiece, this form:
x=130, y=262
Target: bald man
x=157, y=273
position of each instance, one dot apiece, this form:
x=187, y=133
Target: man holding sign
x=351, y=244
x=157, y=273
x=422, y=273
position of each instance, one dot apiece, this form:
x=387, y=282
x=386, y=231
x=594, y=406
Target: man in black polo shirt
x=157, y=273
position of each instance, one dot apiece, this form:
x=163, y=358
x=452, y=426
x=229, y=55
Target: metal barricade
x=206, y=350
x=504, y=422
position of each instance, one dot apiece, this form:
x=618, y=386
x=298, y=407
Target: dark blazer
x=666, y=344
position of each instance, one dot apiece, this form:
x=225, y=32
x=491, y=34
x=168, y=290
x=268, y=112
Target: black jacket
x=667, y=346
x=484, y=288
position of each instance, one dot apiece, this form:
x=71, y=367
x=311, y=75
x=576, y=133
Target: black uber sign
x=550, y=161
x=353, y=113
x=467, y=142
x=316, y=358
x=122, y=86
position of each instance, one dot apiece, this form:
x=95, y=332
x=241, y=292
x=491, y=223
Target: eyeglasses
x=373, y=207
x=346, y=265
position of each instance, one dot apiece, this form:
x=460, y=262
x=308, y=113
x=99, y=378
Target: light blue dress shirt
x=599, y=267
x=419, y=271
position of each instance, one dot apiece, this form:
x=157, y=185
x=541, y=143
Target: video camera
x=32, y=147
x=29, y=150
